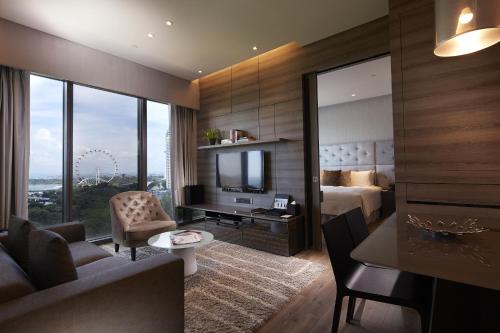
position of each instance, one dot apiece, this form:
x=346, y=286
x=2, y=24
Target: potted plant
x=212, y=135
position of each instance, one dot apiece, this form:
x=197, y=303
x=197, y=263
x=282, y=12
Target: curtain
x=184, y=148
x=14, y=143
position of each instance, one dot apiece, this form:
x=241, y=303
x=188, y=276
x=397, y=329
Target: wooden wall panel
x=288, y=118
x=245, y=85
x=244, y=120
x=229, y=99
x=267, y=123
x=446, y=124
x=215, y=93
x=280, y=74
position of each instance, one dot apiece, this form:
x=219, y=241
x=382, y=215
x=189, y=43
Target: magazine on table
x=186, y=237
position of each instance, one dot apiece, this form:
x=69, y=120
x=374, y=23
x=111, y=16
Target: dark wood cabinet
x=388, y=203
x=271, y=234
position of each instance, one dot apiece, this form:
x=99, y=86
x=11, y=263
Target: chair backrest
x=340, y=244
x=357, y=225
x=134, y=207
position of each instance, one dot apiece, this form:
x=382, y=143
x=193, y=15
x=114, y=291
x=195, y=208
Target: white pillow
x=363, y=178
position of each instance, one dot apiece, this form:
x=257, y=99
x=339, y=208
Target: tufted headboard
x=366, y=155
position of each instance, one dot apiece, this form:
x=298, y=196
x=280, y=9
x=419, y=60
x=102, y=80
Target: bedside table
x=388, y=203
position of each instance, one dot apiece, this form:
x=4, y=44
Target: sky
x=101, y=120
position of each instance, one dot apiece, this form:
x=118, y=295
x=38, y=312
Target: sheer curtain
x=184, y=148
x=14, y=143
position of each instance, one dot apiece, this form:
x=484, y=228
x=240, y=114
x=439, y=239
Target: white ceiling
x=365, y=80
x=207, y=34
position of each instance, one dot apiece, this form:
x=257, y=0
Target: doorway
x=351, y=150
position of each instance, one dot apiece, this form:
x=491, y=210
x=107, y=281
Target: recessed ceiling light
x=255, y=48
x=353, y=95
x=169, y=23
x=151, y=35
x=200, y=71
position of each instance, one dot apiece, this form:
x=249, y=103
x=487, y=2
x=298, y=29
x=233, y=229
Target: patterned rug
x=236, y=289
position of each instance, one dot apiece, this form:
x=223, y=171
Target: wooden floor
x=311, y=310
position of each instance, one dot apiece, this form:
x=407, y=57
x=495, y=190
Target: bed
x=358, y=156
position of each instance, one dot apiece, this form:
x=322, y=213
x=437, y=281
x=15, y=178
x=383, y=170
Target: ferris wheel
x=94, y=167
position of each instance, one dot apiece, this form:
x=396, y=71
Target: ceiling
x=206, y=34
x=365, y=80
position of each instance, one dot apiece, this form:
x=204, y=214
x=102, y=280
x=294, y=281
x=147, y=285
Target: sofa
x=107, y=293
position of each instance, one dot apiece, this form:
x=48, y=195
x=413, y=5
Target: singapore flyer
x=94, y=167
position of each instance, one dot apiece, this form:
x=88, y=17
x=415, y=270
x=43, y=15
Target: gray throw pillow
x=51, y=262
x=17, y=240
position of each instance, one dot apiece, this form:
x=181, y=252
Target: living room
x=162, y=169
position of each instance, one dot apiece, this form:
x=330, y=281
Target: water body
x=44, y=187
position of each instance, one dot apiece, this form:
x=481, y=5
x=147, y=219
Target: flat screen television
x=241, y=171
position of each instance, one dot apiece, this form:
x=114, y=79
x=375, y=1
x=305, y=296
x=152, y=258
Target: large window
x=158, y=165
x=104, y=154
x=106, y=145
x=46, y=142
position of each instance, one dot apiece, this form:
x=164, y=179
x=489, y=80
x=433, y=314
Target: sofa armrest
x=143, y=296
x=3, y=238
x=71, y=231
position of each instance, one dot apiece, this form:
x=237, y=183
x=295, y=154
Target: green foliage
x=90, y=205
x=211, y=133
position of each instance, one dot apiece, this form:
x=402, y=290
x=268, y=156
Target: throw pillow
x=17, y=240
x=51, y=262
x=363, y=178
x=345, y=178
x=329, y=177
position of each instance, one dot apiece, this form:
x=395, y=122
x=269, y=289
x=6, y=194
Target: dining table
x=458, y=248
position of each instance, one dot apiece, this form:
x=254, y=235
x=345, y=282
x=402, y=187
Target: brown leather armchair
x=135, y=217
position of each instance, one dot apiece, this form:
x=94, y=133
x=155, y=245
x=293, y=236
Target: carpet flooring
x=236, y=289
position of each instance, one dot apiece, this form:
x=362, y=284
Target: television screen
x=241, y=171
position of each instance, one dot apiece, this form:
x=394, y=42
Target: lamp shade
x=466, y=26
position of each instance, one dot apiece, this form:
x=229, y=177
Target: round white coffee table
x=185, y=251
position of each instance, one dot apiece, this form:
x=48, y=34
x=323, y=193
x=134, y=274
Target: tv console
x=255, y=230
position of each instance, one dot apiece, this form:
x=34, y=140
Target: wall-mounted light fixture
x=466, y=26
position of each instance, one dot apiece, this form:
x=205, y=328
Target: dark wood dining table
x=465, y=268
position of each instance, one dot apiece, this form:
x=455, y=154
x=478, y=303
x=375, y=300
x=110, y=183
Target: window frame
x=67, y=158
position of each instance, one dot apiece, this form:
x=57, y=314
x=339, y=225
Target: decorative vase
x=212, y=141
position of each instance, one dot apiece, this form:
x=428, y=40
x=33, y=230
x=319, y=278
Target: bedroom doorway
x=351, y=140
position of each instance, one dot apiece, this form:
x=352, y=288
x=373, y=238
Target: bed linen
x=340, y=199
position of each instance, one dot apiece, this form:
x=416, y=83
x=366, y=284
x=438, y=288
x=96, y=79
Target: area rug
x=236, y=289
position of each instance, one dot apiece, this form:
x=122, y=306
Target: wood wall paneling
x=215, y=93
x=263, y=95
x=280, y=75
x=445, y=113
x=245, y=85
x=247, y=120
x=267, y=123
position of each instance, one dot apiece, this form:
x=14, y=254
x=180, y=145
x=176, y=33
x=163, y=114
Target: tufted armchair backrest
x=135, y=207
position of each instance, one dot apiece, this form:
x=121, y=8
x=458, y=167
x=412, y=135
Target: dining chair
x=356, y=280
x=357, y=225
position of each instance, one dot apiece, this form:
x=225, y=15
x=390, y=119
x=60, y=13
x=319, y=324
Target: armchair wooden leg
x=350, y=308
x=132, y=253
x=117, y=247
x=336, y=313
